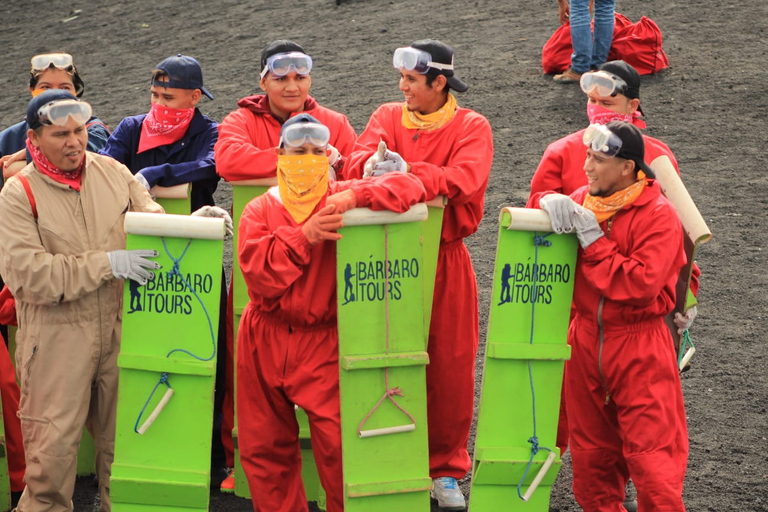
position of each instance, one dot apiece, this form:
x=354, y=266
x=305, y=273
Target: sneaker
x=630, y=503
x=447, y=493
x=228, y=484
x=568, y=76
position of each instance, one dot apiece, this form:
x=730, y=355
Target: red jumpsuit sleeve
x=468, y=167
x=396, y=192
x=271, y=260
x=7, y=307
x=237, y=156
x=638, y=277
x=345, y=137
x=549, y=173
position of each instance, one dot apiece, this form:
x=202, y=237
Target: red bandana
x=71, y=178
x=164, y=126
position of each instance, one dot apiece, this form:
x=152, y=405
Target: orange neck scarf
x=302, y=181
x=415, y=121
x=605, y=207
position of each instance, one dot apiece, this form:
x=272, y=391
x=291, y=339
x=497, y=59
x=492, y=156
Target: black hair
x=76, y=80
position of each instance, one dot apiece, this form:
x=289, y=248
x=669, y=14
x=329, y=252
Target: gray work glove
x=142, y=180
x=392, y=162
x=133, y=264
x=587, y=228
x=374, y=159
x=684, y=322
x=216, y=213
x=561, y=210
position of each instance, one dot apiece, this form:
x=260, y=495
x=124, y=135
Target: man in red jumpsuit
x=248, y=138
x=249, y=135
x=288, y=339
x=613, y=95
x=450, y=149
x=623, y=394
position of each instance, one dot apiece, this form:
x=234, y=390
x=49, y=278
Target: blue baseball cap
x=42, y=99
x=183, y=72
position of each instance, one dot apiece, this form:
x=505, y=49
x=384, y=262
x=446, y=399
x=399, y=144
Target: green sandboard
x=532, y=285
x=168, y=467
x=380, y=275
x=174, y=200
x=5, y=481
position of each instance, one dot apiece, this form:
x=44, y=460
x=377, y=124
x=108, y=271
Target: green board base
x=523, y=371
x=380, y=280
x=168, y=329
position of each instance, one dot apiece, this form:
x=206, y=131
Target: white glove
x=333, y=155
x=217, y=213
x=133, y=264
x=374, y=159
x=393, y=162
x=142, y=180
x=560, y=209
x=587, y=228
x=683, y=322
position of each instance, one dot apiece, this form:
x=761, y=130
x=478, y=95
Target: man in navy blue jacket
x=173, y=143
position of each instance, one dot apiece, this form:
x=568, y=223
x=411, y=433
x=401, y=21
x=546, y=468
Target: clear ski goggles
x=57, y=112
x=46, y=60
x=416, y=60
x=280, y=64
x=300, y=133
x=606, y=84
x=600, y=138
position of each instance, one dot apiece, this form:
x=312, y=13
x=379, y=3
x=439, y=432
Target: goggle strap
x=440, y=66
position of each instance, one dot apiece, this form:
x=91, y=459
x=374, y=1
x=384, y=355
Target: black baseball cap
x=279, y=46
x=632, y=145
x=443, y=54
x=183, y=72
x=627, y=73
x=49, y=96
x=300, y=118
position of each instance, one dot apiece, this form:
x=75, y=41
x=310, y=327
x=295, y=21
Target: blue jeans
x=587, y=53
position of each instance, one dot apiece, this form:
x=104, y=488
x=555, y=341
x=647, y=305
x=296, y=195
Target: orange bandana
x=415, y=121
x=605, y=207
x=302, y=181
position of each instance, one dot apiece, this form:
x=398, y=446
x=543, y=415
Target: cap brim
x=456, y=84
x=646, y=169
x=205, y=91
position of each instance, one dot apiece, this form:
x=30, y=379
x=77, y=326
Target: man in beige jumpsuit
x=65, y=264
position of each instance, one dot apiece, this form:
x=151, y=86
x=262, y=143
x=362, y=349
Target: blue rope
x=175, y=271
x=164, y=376
x=687, y=342
x=163, y=380
x=538, y=241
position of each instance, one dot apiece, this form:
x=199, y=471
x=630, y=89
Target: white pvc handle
x=179, y=226
x=687, y=357
x=539, y=476
x=527, y=219
x=387, y=430
x=160, y=406
x=367, y=217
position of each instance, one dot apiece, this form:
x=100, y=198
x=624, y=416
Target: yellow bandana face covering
x=605, y=207
x=302, y=181
x=415, y=121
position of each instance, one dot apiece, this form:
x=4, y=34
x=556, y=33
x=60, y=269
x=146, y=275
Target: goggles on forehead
x=600, y=138
x=57, y=112
x=46, y=60
x=300, y=133
x=605, y=83
x=281, y=64
x=417, y=60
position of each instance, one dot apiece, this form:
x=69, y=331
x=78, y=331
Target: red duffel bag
x=640, y=44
